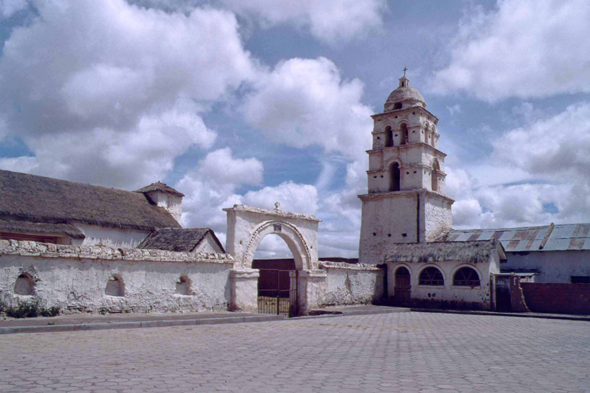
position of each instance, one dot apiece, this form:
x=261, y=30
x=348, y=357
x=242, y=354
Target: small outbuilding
x=444, y=274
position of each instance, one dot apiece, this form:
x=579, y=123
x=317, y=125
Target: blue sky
x=263, y=101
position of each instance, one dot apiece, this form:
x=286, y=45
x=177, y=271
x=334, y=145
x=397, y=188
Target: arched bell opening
x=434, y=175
x=404, y=134
x=395, y=174
x=388, y=136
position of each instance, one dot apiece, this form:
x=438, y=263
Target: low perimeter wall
x=351, y=284
x=558, y=298
x=75, y=278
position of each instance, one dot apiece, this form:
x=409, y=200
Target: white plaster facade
x=208, y=245
x=75, y=278
x=171, y=202
x=406, y=199
x=352, y=283
x=447, y=293
x=108, y=236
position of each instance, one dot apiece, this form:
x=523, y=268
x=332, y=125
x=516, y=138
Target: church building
x=407, y=225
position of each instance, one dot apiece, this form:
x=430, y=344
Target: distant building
x=550, y=253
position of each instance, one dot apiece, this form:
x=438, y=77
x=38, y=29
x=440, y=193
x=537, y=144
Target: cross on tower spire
x=405, y=69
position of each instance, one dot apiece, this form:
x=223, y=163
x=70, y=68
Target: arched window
x=466, y=277
x=434, y=175
x=395, y=177
x=431, y=276
x=388, y=136
x=183, y=287
x=24, y=285
x=404, y=133
x=115, y=286
x=397, y=105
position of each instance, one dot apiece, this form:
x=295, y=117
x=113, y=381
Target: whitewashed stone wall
x=348, y=284
x=75, y=278
x=437, y=217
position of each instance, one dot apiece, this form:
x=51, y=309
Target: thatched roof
x=40, y=228
x=476, y=251
x=46, y=200
x=177, y=239
x=159, y=186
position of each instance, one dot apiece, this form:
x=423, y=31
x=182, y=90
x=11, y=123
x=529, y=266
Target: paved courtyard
x=402, y=352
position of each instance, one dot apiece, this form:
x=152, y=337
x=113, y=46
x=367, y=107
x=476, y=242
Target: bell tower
x=406, y=202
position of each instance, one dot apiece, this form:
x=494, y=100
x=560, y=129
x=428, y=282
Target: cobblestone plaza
x=398, y=352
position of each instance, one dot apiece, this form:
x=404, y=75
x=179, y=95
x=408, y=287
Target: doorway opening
x=402, y=288
x=277, y=283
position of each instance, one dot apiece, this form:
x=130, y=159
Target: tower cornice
x=406, y=147
x=403, y=110
x=421, y=191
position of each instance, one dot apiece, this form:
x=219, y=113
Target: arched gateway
x=246, y=227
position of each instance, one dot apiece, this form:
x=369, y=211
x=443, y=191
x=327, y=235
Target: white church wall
x=111, y=237
x=381, y=220
x=439, y=220
x=552, y=266
x=348, y=284
x=76, y=278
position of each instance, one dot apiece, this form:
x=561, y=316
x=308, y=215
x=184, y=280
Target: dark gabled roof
x=177, y=239
x=474, y=251
x=37, y=199
x=159, y=186
x=561, y=237
x=40, y=228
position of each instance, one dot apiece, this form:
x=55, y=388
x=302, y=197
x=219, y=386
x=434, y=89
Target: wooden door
x=402, y=289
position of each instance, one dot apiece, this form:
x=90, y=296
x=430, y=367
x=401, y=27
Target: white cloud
x=208, y=189
x=329, y=21
x=101, y=89
x=522, y=48
x=299, y=198
x=305, y=102
x=129, y=160
x=221, y=167
x=558, y=145
x=538, y=173
x=19, y=164
x=11, y=7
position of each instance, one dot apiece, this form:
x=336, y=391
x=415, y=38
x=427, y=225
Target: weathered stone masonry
x=76, y=278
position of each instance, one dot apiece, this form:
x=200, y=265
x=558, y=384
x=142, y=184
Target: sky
x=263, y=101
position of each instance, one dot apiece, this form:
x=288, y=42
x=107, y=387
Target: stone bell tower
x=406, y=202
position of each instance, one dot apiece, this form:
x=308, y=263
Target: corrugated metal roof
x=542, y=238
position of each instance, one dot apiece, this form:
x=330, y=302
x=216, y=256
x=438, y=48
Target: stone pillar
x=311, y=288
x=244, y=290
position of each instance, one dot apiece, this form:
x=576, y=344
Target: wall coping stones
x=275, y=212
x=349, y=266
x=48, y=250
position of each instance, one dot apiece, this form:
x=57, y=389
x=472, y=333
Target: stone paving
x=401, y=352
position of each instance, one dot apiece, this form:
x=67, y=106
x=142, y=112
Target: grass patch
x=30, y=309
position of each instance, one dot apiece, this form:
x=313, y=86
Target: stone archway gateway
x=246, y=227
